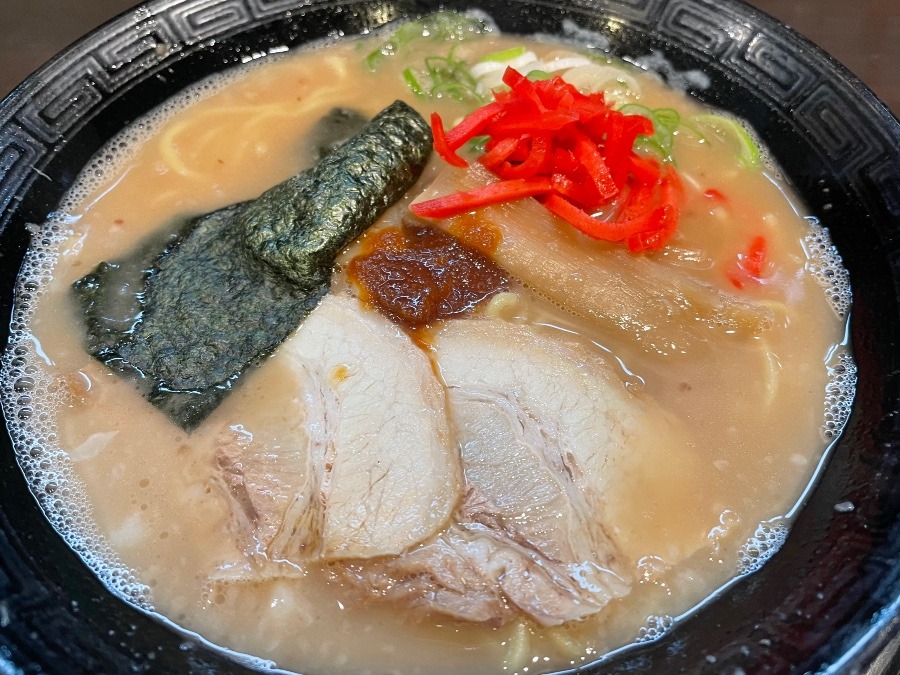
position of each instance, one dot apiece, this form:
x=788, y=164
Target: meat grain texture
x=373, y=471
x=475, y=489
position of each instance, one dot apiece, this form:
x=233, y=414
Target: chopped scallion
x=668, y=117
x=749, y=150
x=443, y=76
x=412, y=82
x=438, y=27
x=503, y=55
x=665, y=122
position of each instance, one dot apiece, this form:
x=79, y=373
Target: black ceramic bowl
x=830, y=599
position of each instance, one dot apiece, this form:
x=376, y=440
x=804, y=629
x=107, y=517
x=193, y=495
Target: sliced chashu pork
x=539, y=421
x=369, y=467
x=544, y=430
x=650, y=304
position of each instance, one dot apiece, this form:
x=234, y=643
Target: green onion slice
x=749, y=150
x=503, y=55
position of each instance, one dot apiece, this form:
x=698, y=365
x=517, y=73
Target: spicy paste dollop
x=417, y=274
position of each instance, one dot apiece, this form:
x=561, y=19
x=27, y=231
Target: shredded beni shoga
x=571, y=151
x=568, y=132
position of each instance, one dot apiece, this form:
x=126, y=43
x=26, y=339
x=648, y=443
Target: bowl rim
x=885, y=629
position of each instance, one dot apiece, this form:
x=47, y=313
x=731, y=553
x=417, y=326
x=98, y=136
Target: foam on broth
x=131, y=493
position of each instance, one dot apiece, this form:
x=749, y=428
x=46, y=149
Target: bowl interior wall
x=812, y=604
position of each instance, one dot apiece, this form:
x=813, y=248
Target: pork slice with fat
x=372, y=470
x=663, y=310
x=540, y=421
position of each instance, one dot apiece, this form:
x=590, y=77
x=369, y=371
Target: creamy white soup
x=564, y=466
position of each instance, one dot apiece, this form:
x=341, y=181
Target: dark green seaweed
x=191, y=310
x=299, y=226
x=328, y=133
x=185, y=326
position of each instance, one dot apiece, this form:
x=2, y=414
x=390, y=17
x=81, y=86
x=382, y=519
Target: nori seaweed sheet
x=299, y=226
x=337, y=127
x=188, y=312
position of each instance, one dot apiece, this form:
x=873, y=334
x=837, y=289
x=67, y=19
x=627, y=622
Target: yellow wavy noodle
x=338, y=65
x=318, y=100
x=777, y=307
x=771, y=366
x=172, y=156
x=566, y=644
x=518, y=648
x=215, y=121
x=771, y=373
x=211, y=122
x=164, y=199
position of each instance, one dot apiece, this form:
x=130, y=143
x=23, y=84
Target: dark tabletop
x=864, y=35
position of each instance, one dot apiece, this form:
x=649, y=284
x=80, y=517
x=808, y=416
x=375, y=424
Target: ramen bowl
x=828, y=599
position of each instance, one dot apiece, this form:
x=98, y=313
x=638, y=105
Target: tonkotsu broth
x=760, y=412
